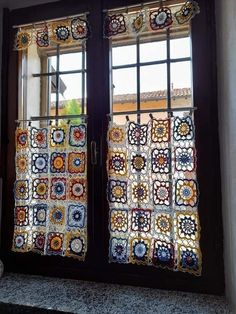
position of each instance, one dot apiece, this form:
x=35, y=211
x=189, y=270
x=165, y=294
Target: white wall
x=226, y=50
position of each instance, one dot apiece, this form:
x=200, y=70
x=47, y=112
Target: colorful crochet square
x=163, y=254
x=39, y=163
x=22, y=163
x=153, y=194
x=76, y=216
x=22, y=139
x=76, y=162
x=58, y=189
x=75, y=245
x=149, y=19
x=160, y=160
x=40, y=214
x=39, y=138
x=38, y=242
x=40, y=188
x=69, y=31
x=21, y=216
x=77, y=135
x=119, y=220
x=118, y=250
x=77, y=190
x=20, y=240
x=58, y=162
x=58, y=136
x=55, y=243
x=139, y=250
x=117, y=163
x=50, y=214
x=57, y=215
x=21, y=190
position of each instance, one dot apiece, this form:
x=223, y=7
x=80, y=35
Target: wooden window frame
x=96, y=266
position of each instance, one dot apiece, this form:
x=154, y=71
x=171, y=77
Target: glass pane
x=71, y=61
x=52, y=64
x=153, y=51
x=30, y=84
x=180, y=48
x=124, y=55
x=181, y=82
x=145, y=118
x=124, y=90
x=153, y=86
x=70, y=95
x=121, y=119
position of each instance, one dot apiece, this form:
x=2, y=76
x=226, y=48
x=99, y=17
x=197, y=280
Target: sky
x=153, y=77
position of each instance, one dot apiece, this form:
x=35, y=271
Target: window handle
x=93, y=147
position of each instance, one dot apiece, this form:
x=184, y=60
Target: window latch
x=93, y=149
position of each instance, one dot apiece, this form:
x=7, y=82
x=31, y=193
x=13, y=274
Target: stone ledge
x=74, y=296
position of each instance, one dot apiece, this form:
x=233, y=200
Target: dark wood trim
x=3, y=109
x=96, y=266
x=207, y=143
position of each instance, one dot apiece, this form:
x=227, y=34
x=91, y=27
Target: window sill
x=74, y=296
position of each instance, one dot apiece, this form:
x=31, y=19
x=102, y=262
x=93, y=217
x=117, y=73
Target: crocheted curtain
x=67, y=32
x=149, y=20
x=51, y=190
x=153, y=194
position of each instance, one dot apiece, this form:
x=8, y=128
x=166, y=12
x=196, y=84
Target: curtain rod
x=42, y=118
x=50, y=20
x=152, y=111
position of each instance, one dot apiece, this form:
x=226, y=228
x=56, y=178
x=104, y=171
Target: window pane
x=181, y=82
x=124, y=55
x=71, y=61
x=145, y=118
x=153, y=86
x=52, y=64
x=124, y=90
x=153, y=51
x=70, y=95
x=180, y=48
x=181, y=74
x=121, y=119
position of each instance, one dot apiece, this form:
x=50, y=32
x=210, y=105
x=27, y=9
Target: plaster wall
x=226, y=63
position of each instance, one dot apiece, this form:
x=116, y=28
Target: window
x=152, y=162
x=105, y=93
x=50, y=215
x=53, y=77
x=151, y=73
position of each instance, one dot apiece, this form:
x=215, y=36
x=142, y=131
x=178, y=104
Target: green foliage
x=72, y=107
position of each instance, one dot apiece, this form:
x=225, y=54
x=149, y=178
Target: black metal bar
x=42, y=118
x=24, y=84
x=153, y=111
x=57, y=72
x=83, y=76
x=111, y=86
x=138, y=78
x=168, y=70
x=57, y=80
x=131, y=65
x=180, y=59
x=49, y=82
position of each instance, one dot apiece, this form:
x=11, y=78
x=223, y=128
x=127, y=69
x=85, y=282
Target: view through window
x=151, y=73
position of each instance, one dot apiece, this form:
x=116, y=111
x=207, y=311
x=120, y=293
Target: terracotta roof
x=147, y=96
